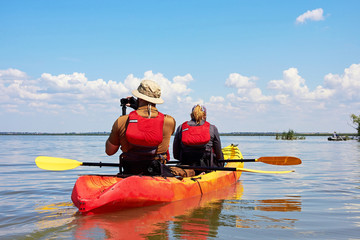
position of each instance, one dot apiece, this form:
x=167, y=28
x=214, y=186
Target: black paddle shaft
x=100, y=164
x=208, y=168
x=230, y=160
x=238, y=160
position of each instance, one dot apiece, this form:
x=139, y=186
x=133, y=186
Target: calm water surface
x=321, y=200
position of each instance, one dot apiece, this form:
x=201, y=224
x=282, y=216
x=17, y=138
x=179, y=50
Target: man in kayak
x=144, y=134
x=197, y=142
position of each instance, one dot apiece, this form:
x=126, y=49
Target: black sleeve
x=217, y=143
x=177, y=143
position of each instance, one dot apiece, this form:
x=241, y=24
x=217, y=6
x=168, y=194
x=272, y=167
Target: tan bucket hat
x=150, y=91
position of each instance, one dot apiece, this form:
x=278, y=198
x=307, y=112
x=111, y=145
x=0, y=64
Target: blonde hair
x=198, y=113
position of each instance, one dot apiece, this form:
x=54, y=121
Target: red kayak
x=95, y=193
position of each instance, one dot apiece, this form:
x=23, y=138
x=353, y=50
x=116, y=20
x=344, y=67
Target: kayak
x=338, y=138
x=99, y=193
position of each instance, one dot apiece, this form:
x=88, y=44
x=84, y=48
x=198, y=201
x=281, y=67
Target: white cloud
x=216, y=99
x=170, y=90
x=246, y=88
x=346, y=85
x=79, y=87
x=75, y=92
x=74, y=96
x=132, y=82
x=239, y=81
x=293, y=86
x=291, y=83
x=282, y=98
x=313, y=15
x=11, y=74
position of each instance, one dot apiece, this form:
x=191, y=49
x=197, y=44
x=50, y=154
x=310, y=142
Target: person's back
x=144, y=134
x=197, y=142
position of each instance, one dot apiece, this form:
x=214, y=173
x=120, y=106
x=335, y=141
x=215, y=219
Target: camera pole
x=124, y=109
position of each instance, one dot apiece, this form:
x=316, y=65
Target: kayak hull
x=96, y=193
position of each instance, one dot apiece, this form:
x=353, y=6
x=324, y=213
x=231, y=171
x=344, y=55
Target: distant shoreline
x=221, y=134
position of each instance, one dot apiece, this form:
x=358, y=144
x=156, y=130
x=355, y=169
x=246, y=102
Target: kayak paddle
x=279, y=160
x=233, y=169
x=62, y=164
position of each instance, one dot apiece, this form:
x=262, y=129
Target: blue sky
x=255, y=65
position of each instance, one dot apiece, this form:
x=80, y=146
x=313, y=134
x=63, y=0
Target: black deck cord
x=196, y=180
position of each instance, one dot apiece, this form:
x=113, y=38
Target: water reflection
x=55, y=215
x=248, y=217
x=190, y=216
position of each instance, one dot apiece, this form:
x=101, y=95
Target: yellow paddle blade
x=280, y=160
x=261, y=171
x=56, y=164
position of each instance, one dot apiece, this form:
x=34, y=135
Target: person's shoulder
x=213, y=126
x=122, y=119
x=168, y=118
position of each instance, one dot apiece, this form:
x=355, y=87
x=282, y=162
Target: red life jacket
x=195, y=135
x=147, y=132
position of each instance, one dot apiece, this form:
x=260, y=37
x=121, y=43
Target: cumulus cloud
x=170, y=90
x=347, y=84
x=76, y=91
x=246, y=88
x=293, y=86
x=313, y=15
x=216, y=99
x=11, y=74
x=79, y=87
x=239, y=81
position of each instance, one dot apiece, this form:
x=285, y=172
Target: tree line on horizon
x=290, y=135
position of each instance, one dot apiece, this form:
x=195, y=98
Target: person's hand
x=133, y=103
x=129, y=102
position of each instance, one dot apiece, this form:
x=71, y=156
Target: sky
x=257, y=66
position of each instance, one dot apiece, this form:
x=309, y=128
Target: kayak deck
x=94, y=193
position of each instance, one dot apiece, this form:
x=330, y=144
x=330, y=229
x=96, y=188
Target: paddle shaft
x=238, y=160
x=275, y=160
x=230, y=160
x=100, y=164
x=233, y=169
x=208, y=168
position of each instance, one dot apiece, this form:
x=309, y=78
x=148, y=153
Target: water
x=319, y=201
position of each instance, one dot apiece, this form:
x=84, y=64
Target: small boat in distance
x=336, y=137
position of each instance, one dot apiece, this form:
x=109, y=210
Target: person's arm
x=110, y=148
x=217, y=144
x=113, y=142
x=177, y=143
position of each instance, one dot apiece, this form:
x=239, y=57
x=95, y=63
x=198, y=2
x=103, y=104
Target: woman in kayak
x=197, y=142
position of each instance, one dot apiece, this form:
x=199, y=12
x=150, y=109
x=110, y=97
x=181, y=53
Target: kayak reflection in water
x=192, y=218
x=197, y=142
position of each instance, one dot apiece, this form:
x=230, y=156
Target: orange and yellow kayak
x=96, y=193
